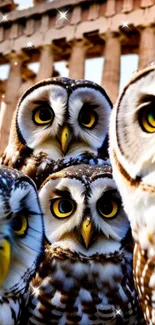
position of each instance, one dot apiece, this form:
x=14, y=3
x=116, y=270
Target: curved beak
x=86, y=231
x=65, y=138
x=5, y=258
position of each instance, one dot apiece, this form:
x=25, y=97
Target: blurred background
x=105, y=41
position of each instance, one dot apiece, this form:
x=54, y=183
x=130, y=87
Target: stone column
x=46, y=63
x=127, y=5
x=77, y=60
x=11, y=96
x=146, y=47
x=25, y=86
x=111, y=71
x=0, y=98
x=110, y=8
x=2, y=113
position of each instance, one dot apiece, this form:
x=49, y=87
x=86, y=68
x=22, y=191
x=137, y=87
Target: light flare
x=125, y=24
x=29, y=44
x=4, y=18
x=63, y=15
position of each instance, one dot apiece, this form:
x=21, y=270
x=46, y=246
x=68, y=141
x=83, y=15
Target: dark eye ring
x=43, y=115
x=108, y=206
x=88, y=118
x=20, y=225
x=147, y=118
x=62, y=207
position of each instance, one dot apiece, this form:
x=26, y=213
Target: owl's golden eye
x=42, y=116
x=62, y=207
x=20, y=225
x=147, y=119
x=88, y=118
x=107, y=206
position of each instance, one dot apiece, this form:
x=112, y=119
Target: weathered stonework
x=94, y=28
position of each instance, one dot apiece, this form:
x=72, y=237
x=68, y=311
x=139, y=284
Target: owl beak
x=5, y=258
x=65, y=138
x=86, y=231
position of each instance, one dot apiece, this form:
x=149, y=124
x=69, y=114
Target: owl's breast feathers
x=144, y=275
x=40, y=166
x=71, y=288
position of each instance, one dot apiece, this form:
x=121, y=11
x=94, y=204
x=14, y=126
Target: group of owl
x=65, y=242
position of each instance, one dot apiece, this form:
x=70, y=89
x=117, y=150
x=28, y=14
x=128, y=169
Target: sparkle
x=29, y=44
x=125, y=24
x=3, y=96
x=118, y=312
x=35, y=290
x=16, y=63
x=62, y=15
x=4, y=18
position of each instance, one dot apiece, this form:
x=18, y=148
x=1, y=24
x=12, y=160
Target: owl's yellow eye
x=62, y=207
x=147, y=119
x=42, y=116
x=88, y=118
x=107, y=207
x=20, y=225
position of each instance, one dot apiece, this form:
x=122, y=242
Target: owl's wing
x=144, y=276
x=15, y=158
x=11, y=309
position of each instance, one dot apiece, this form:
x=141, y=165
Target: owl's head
x=61, y=117
x=21, y=231
x=83, y=210
x=132, y=150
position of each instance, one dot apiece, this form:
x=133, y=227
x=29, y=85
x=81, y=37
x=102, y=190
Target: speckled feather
x=21, y=156
x=81, y=286
x=16, y=192
x=144, y=274
x=67, y=297
x=40, y=166
x=132, y=153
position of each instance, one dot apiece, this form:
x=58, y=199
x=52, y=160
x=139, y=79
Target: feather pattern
x=71, y=288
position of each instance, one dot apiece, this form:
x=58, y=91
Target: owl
x=21, y=241
x=58, y=117
x=132, y=151
x=86, y=276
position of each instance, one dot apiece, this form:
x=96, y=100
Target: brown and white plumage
x=21, y=241
x=59, y=117
x=132, y=151
x=86, y=276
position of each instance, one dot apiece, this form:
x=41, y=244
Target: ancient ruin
x=92, y=28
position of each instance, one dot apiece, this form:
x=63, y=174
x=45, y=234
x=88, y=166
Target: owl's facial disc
x=133, y=122
x=11, y=231
x=83, y=214
x=5, y=258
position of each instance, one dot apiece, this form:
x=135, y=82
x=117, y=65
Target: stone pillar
x=111, y=71
x=77, y=60
x=46, y=63
x=25, y=86
x=0, y=98
x=110, y=8
x=127, y=6
x=11, y=97
x=2, y=113
x=146, y=47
